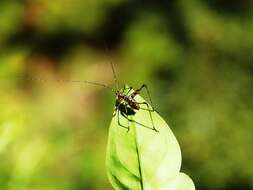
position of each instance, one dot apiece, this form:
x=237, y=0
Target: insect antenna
x=114, y=76
x=69, y=81
x=112, y=67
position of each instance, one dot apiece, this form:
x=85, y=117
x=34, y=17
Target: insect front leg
x=129, y=89
x=119, y=112
x=115, y=112
x=127, y=117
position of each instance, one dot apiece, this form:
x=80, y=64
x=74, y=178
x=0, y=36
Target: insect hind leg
x=133, y=121
x=149, y=110
x=148, y=93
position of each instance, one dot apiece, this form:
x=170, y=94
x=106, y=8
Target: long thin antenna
x=114, y=75
x=70, y=81
x=112, y=67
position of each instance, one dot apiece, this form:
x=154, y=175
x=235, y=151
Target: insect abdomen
x=134, y=105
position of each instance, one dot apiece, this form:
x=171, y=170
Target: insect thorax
x=125, y=105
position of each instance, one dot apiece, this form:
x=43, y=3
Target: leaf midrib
x=138, y=156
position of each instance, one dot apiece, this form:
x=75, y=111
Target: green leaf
x=143, y=158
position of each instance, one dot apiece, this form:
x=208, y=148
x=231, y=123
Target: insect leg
x=131, y=120
x=127, y=117
x=149, y=97
x=120, y=123
x=129, y=89
x=148, y=93
x=114, y=113
x=149, y=110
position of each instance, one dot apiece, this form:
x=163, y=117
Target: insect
x=126, y=104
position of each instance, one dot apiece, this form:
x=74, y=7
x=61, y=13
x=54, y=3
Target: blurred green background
x=196, y=57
